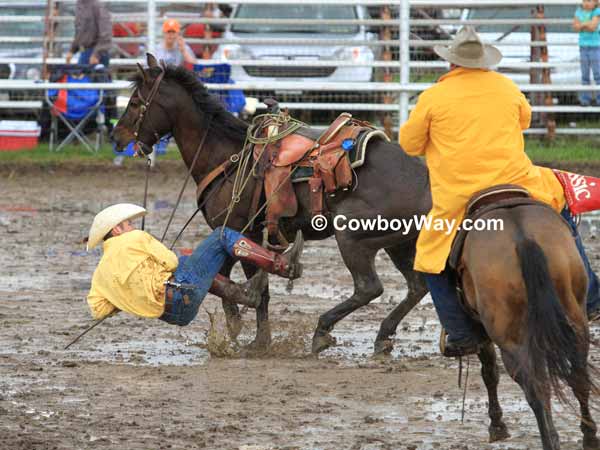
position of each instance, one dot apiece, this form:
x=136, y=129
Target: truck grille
x=289, y=72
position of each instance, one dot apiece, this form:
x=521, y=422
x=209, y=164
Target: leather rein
x=146, y=149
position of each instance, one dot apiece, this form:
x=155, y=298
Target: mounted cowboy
x=141, y=276
x=469, y=126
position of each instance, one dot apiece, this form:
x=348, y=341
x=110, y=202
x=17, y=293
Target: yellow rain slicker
x=131, y=276
x=469, y=128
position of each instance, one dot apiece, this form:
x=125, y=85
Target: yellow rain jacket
x=469, y=128
x=131, y=276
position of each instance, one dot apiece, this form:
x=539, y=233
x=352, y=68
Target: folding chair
x=76, y=108
x=234, y=99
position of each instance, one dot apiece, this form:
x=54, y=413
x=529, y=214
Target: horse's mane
x=223, y=122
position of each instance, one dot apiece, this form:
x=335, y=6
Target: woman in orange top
x=469, y=126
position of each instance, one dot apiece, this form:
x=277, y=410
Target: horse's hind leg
x=360, y=260
x=539, y=404
x=403, y=258
x=491, y=377
x=580, y=383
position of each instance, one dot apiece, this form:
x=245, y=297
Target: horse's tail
x=551, y=354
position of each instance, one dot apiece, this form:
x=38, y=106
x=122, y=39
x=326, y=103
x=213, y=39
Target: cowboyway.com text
x=406, y=226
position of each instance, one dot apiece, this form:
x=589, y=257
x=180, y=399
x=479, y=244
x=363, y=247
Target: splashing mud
x=289, y=339
x=133, y=383
x=218, y=342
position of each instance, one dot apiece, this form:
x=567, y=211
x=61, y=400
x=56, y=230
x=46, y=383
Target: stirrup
x=282, y=243
x=457, y=351
x=442, y=343
x=277, y=248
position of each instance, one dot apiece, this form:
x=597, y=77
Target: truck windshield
x=297, y=12
x=522, y=12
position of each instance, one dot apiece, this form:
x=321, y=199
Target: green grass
x=562, y=149
x=78, y=153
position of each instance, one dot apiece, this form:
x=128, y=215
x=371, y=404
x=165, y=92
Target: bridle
x=147, y=149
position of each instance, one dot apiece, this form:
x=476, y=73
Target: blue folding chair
x=76, y=108
x=233, y=99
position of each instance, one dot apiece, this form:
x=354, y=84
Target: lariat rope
x=464, y=396
x=189, y=174
x=275, y=122
x=148, y=165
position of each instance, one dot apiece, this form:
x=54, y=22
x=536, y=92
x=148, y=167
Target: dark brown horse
x=530, y=298
x=391, y=184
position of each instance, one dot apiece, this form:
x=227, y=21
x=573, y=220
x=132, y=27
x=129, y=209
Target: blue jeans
x=593, y=293
x=460, y=326
x=590, y=61
x=457, y=323
x=85, y=55
x=199, y=269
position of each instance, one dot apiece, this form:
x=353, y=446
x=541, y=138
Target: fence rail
x=286, y=85
x=313, y=63
x=400, y=36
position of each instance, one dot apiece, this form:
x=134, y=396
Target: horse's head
x=146, y=118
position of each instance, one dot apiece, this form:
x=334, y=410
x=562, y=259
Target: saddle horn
x=272, y=106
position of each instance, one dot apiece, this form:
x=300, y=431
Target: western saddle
x=482, y=202
x=290, y=146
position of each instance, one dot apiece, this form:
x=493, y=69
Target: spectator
x=173, y=49
x=211, y=10
x=586, y=23
x=93, y=33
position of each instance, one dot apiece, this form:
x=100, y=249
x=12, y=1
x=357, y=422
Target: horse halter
x=146, y=149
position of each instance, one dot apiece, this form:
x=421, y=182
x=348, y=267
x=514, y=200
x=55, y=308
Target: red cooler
x=18, y=135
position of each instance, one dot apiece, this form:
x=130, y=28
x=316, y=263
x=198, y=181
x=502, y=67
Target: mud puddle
x=140, y=384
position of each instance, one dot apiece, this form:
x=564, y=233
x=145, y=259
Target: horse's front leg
x=403, y=257
x=262, y=341
x=233, y=318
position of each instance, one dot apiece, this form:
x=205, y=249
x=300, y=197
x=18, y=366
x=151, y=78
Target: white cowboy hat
x=467, y=50
x=109, y=218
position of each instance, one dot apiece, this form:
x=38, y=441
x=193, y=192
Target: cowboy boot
x=285, y=265
x=248, y=293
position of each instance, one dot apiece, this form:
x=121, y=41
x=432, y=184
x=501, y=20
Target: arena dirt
x=142, y=384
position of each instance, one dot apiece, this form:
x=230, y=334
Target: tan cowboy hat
x=109, y=218
x=467, y=50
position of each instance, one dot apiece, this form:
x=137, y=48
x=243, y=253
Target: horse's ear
x=151, y=60
x=142, y=72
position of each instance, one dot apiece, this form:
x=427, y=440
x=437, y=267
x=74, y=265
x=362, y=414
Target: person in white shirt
x=173, y=49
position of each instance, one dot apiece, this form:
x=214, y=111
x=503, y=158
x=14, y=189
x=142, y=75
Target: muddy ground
x=142, y=384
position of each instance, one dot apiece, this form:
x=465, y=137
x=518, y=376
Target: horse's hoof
x=498, y=433
x=256, y=347
x=261, y=342
x=383, y=348
x=591, y=443
x=322, y=341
